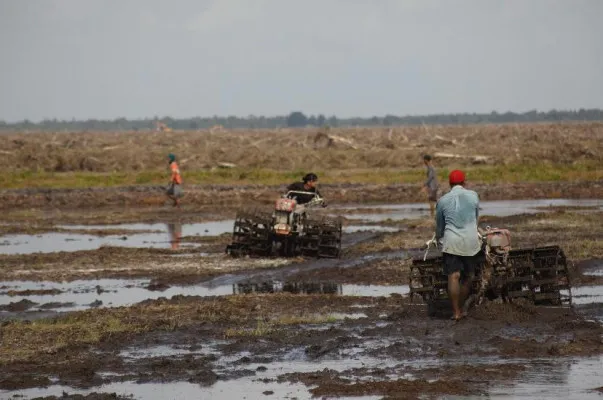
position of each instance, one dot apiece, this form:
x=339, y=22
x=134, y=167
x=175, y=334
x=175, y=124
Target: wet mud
x=91, y=396
x=391, y=346
x=193, y=322
x=148, y=203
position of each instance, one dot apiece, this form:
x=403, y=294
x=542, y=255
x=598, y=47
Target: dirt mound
x=18, y=306
x=518, y=311
x=14, y=382
x=90, y=396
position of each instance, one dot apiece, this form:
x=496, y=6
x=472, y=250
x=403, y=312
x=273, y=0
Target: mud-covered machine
x=289, y=230
x=538, y=275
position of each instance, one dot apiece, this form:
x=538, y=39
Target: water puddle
x=137, y=353
x=503, y=208
x=587, y=294
x=211, y=228
x=369, y=228
x=319, y=288
x=169, y=236
x=572, y=379
x=243, y=389
x=593, y=267
x=85, y=294
x=374, y=290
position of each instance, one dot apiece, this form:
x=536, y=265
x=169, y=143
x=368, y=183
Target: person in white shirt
x=457, y=214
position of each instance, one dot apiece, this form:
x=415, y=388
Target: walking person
x=430, y=187
x=174, y=191
x=457, y=214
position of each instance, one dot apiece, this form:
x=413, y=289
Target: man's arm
x=477, y=208
x=324, y=201
x=440, y=221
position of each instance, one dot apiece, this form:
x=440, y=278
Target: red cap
x=457, y=176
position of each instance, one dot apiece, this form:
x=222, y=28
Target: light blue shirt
x=456, y=222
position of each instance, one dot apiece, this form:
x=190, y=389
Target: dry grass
x=265, y=326
x=21, y=340
x=578, y=233
x=104, y=159
x=417, y=233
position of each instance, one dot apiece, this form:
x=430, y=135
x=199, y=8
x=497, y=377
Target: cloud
x=349, y=57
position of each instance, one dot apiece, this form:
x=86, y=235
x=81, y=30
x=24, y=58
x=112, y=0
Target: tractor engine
x=283, y=216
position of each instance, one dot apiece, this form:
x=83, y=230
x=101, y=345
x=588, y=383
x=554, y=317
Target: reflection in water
x=175, y=231
x=555, y=379
x=289, y=287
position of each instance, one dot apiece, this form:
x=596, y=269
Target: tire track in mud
x=282, y=274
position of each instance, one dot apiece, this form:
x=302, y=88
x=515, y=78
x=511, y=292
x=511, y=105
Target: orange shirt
x=176, y=178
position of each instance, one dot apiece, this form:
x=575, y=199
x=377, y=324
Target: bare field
x=191, y=322
x=570, y=150
x=87, y=308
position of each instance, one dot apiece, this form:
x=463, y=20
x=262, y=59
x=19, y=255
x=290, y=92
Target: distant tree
x=333, y=122
x=320, y=120
x=297, y=119
x=389, y=120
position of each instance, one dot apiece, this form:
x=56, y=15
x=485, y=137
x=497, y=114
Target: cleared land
x=338, y=344
x=503, y=153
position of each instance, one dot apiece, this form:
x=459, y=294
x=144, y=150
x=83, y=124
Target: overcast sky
x=182, y=58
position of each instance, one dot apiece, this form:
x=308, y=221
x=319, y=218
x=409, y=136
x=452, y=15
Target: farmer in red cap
x=457, y=213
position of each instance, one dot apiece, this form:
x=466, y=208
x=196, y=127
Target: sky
x=106, y=59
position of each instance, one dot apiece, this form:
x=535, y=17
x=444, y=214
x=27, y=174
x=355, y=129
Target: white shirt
x=456, y=222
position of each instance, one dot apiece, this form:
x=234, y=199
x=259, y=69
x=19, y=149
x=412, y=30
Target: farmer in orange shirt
x=174, y=191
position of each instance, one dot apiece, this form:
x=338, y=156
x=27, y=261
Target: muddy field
x=116, y=302
x=106, y=291
x=148, y=203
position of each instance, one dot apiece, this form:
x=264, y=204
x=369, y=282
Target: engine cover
x=499, y=239
x=282, y=229
x=285, y=205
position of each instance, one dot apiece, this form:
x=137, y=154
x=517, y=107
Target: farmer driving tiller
x=471, y=264
x=289, y=230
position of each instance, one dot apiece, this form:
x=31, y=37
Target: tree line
x=299, y=119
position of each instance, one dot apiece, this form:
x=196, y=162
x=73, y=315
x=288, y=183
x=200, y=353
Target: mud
x=18, y=306
x=185, y=323
x=90, y=396
x=383, y=272
x=85, y=294
x=29, y=292
x=187, y=265
x=393, y=347
x=132, y=203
